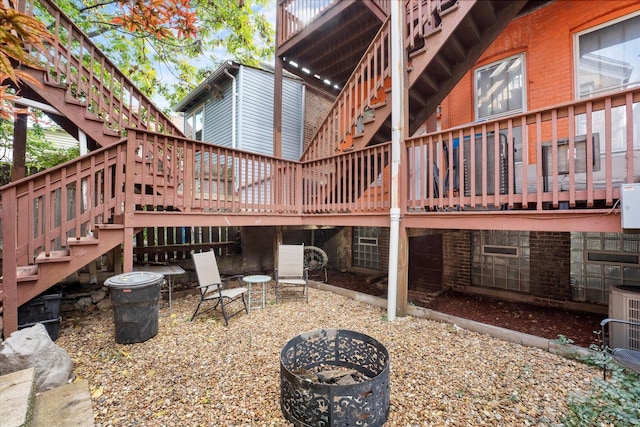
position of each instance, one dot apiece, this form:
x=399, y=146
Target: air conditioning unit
x=490, y=169
x=630, y=210
x=624, y=304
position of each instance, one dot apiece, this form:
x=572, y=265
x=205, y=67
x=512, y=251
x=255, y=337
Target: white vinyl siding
x=292, y=119
x=217, y=123
x=254, y=114
x=255, y=120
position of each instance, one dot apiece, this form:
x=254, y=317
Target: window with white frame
x=193, y=124
x=608, y=57
x=500, y=88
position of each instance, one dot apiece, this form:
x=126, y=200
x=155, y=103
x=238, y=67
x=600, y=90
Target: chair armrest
x=626, y=322
x=227, y=280
x=605, y=327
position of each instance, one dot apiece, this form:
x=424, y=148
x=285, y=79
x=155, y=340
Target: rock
x=32, y=347
x=105, y=304
x=83, y=304
x=98, y=295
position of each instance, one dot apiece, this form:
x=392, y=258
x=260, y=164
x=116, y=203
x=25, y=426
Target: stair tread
x=17, y=391
x=69, y=404
x=109, y=226
x=25, y=273
x=54, y=256
x=84, y=240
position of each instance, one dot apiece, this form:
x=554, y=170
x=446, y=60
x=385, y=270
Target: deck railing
x=296, y=15
x=74, y=62
x=41, y=211
x=572, y=156
x=575, y=155
x=354, y=182
x=194, y=176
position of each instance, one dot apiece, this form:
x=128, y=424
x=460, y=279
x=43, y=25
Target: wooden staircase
x=58, y=264
x=89, y=95
x=88, y=91
x=443, y=40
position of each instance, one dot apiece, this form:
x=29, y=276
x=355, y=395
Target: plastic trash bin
x=135, y=298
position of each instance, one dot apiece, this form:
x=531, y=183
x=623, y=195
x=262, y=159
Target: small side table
x=167, y=270
x=257, y=278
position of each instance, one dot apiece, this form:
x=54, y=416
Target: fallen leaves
x=203, y=373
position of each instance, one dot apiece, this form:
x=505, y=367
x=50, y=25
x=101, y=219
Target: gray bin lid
x=135, y=279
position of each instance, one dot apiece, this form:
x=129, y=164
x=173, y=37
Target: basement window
x=613, y=258
x=500, y=250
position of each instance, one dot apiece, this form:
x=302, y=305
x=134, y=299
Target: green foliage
x=172, y=66
x=614, y=402
x=563, y=340
x=41, y=153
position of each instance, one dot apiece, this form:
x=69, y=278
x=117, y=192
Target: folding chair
x=291, y=276
x=211, y=286
x=621, y=340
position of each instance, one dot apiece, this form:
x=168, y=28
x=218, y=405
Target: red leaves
x=160, y=18
x=20, y=35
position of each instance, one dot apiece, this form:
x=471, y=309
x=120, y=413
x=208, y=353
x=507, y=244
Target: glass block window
x=365, y=247
x=500, y=259
x=602, y=260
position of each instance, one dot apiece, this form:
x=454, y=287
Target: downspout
x=233, y=108
x=397, y=132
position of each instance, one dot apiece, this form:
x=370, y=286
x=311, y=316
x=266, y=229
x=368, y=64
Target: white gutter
x=397, y=133
x=233, y=108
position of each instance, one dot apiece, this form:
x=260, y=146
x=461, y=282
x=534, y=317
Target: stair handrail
x=341, y=120
x=296, y=15
x=42, y=210
x=424, y=16
x=372, y=70
x=95, y=81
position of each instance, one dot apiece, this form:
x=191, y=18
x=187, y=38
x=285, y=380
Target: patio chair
x=292, y=279
x=316, y=260
x=213, y=288
x=621, y=340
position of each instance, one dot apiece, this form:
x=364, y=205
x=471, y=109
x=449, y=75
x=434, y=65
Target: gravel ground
x=202, y=373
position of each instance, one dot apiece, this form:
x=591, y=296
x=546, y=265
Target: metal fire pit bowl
x=309, y=403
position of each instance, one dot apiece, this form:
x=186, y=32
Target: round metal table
x=257, y=278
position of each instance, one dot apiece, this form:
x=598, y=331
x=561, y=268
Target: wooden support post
x=19, y=169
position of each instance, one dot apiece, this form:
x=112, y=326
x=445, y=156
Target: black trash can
x=135, y=298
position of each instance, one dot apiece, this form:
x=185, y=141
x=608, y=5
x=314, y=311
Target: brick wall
x=316, y=106
x=550, y=268
x=545, y=35
x=457, y=258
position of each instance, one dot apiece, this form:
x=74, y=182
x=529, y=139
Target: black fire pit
x=334, y=377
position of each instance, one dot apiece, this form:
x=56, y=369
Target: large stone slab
x=17, y=392
x=33, y=348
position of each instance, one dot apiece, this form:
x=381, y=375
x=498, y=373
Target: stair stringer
x=73, y=112
x=53, y=271
x=440, y=44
